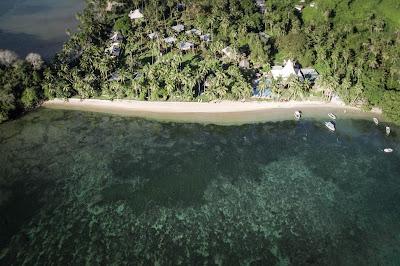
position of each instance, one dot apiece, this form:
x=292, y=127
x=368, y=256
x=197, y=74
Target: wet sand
x=221, y=113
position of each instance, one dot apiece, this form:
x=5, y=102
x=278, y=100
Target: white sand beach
x=224, y=112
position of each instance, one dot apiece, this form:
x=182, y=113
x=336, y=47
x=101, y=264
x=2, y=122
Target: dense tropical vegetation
x=20, y=83
x=353, y=44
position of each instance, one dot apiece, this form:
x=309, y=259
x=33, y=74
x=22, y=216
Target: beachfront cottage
x=178, y=28
x=170, y=40
x=185, y=46
x=135, y=14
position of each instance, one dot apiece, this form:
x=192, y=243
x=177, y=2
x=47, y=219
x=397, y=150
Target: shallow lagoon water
x=80, y=187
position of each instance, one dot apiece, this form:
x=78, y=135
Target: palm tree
x=295, y=88
x=276, y=86
x=262, y=85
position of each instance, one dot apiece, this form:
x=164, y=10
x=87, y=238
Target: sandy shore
x=224, y=113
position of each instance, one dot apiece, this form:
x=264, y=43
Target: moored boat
x=330, y=125
x=297, y=115
x=331, y=115
x=387, y=131
x=376, y=121
x=388, y=150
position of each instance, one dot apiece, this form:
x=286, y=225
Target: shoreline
x=222, y=113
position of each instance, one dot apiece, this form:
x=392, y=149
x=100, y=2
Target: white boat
x=331, y=115
x=330, y=125
x=388, y=150
x=376, y=121
x=387, y=131
x=297, y=115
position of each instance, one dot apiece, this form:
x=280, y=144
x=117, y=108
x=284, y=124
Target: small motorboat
x=387, y=131
x=330, y=125
x=297, y=115
x=376, y=121
x=331, y=115
x=388, y=150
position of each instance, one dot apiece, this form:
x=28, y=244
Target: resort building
x=299, y=7
x=291, y=69
x=114, y=77
x=264, y=37
x=170, y=40
x=244, y=63
x=261, y=5
x=185, y=46
x=309, y=74
x=111, y=5
x=193, y=31
x=135, y=14
x=205, y=37
x=228, y=52
x=178, y=28
x=284, y=72
x=153, y=35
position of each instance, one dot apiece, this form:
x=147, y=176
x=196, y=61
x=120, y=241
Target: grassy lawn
x=357, y=11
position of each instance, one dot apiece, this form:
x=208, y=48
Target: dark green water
x=80, y=188
x=37, y=26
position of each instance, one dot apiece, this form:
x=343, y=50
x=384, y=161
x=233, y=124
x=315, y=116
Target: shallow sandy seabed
x=221, y=113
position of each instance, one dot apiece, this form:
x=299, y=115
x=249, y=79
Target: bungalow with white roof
x=170, y=40
x=135, y=14
x=193, y=31
x=291, y=69
x=284, y=72
x=178, y=28
x=185, y=46
x=205, y=37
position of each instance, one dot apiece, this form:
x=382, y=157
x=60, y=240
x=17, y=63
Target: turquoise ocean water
x=79, y=187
